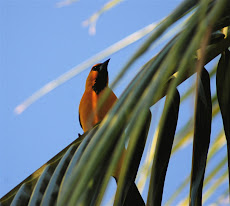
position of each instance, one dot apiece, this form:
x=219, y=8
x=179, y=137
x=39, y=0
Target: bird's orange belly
x=89, y=111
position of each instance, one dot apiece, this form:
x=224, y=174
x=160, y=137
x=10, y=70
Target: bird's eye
x=94, y=68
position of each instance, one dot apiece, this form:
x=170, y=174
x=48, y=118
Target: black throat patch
x=101, y=81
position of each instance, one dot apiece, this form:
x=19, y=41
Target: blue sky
x=39, y=42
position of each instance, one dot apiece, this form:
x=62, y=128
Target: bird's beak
x=104, y=65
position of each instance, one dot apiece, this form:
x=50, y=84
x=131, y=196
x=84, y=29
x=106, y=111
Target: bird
x=92, y=112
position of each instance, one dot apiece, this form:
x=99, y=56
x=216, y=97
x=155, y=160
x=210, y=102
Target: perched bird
x=91, y=113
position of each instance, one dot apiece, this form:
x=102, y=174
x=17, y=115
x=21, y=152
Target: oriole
x=96, y=85
x=90, y=113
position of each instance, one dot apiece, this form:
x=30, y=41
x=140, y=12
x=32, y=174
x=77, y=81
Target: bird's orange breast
x=89, y=111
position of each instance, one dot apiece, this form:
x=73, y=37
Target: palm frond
x=79, y=175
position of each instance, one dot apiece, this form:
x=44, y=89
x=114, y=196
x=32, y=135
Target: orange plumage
x=96, y=84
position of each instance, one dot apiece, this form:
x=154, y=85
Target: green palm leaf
x=79, y=174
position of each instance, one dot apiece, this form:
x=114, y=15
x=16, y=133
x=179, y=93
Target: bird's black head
x=101, y=78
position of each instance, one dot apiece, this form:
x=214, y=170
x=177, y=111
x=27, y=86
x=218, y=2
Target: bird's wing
x=80, y=120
